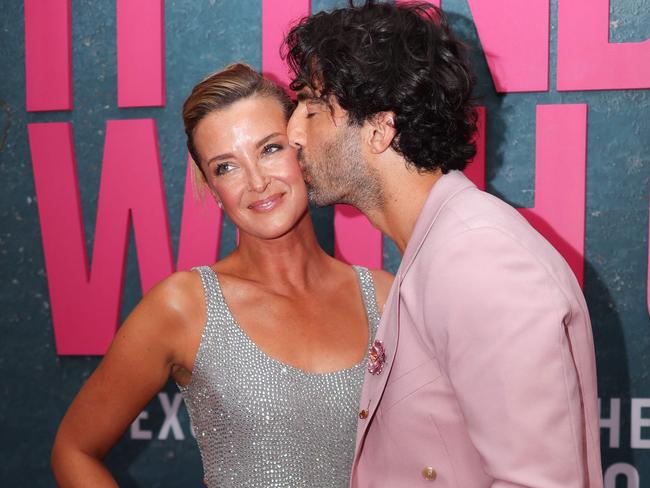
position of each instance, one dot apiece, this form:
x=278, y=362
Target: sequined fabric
x=261, y=423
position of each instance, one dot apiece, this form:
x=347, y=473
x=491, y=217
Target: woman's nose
x=258, y=180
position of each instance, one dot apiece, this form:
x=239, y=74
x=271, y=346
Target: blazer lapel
x=388, y=332
x=374, y=385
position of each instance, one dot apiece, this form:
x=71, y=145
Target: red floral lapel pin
x=376, y=357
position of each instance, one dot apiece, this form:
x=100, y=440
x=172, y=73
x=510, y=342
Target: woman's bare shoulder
x=172, y=305
x=179, y=293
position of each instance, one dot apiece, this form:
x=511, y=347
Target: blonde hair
x=220, y=90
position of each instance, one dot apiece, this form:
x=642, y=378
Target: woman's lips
x=266, y=204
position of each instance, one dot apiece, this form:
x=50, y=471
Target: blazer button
x=429, y=473
x=363, y=414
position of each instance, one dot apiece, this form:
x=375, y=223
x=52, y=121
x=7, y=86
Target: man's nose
x=295, y=128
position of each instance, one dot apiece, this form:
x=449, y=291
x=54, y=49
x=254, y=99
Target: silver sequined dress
x=261, y=423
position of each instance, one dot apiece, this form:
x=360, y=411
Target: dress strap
x=367, y=287
x=213, y=297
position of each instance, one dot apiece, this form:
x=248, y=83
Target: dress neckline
x=285, y=367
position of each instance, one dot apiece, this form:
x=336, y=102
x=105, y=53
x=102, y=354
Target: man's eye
x=222, y=169
x=271, y=148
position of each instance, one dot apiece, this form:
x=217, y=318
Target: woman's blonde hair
x=220, y=90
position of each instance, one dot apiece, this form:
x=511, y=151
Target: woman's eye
x=271, y=148
x=222, y=169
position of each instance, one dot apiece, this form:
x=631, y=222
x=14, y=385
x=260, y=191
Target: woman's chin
x=269, y=231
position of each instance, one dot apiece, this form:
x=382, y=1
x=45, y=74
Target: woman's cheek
x=293, y=172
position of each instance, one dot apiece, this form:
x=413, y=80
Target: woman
x=267, y=345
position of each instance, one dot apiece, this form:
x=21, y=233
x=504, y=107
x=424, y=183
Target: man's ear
x=381, y=131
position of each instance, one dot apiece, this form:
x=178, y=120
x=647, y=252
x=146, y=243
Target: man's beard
x=341, y=175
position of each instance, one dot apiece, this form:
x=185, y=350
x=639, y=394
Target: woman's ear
x=201, y=187
x=382, y=131
x=215, y=195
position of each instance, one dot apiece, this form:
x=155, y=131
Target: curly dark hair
x=403, y=58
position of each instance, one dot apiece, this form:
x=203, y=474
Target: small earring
x=220, y=205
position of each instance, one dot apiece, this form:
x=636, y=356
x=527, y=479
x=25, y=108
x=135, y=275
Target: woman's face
x=250, y=167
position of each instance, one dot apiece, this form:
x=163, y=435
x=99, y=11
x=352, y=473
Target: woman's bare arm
x=156, y=337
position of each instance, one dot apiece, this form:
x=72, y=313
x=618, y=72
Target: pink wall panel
x=86, y=300
x=277, y=18
x=140, y=53
x=560, y=181
x=48, y=55
x=586, y=60
x=66, y=261
x=200, y=226
x=356, y=241
x=132, y=181
x=515, y=39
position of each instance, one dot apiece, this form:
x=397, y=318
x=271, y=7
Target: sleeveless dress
x=262, y=423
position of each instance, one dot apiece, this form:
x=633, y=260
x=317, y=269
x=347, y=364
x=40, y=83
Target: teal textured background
x=205, y=35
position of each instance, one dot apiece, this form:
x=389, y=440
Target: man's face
x=329, y=152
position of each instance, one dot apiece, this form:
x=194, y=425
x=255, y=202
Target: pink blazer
x=489, y=378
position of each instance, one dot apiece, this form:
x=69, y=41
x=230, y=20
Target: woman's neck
x=292, y=261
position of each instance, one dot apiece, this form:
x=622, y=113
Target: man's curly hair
x=402, y=58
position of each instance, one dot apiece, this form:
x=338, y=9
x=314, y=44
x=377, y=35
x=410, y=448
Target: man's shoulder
x=471, y=218
x=473, y=209
x=475, y=226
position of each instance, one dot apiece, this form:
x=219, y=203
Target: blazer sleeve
x=501, y=318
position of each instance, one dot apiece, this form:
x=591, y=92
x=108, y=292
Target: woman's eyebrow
x=263, y=141
x=220, y=157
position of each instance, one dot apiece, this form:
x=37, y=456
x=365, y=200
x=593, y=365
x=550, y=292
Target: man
x=483, y=371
